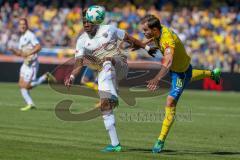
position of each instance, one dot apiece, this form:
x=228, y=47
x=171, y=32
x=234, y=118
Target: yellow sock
x=92, y=85
x=200, y=74
x=167, y=122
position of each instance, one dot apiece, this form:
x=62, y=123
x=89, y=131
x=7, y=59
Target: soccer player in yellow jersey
x=177, y=62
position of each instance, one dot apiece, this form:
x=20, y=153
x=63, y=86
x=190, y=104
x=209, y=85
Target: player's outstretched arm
x=35, y=50
x=76, y=70
x=137, y=44
x=15, y=51
x=166, y=64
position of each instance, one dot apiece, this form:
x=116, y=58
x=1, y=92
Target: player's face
x=23, y=26
x=89, y=27
x=148, y=32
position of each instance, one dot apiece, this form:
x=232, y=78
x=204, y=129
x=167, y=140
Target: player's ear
x=155, y=30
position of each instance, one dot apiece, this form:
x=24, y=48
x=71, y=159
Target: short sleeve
x=34, y=40
x=119, y=32
x=79, y=48
x=167, y=40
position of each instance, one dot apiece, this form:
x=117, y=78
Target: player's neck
x=92, y=34
x=22, y=33
x=158, y=35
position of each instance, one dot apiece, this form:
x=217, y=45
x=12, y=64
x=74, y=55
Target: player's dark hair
x=152, y=21
x=84, y=11
x=24, y=19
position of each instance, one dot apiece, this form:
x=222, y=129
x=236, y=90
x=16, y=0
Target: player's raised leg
x=198, y=74
x=109, y=100
x=47, y=76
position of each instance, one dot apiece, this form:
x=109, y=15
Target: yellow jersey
x=168, y=38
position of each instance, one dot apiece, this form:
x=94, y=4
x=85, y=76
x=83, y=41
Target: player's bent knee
x=28, y=86
x=107, y=105
x=171, y=102
x=24, y=85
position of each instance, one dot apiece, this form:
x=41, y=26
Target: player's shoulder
x=167, y=33
x=29, y=33
x=82, y=36
x=165, y=30
x=107, y=28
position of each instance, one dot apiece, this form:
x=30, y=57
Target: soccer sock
x=167, y=122
x=26, y=96
x=109, y=122
x=200, y=74
x=92, y=85
x=39, y=81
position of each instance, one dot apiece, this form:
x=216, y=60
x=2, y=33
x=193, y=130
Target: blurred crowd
x=211, y=37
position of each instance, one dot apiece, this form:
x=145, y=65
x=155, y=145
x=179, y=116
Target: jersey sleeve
x=33, y=39
x=119, y=33
x=79, y=48
x=167, y=40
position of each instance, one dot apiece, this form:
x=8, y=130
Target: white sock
x=109, y=122
x=26, y=96
x=40, y=80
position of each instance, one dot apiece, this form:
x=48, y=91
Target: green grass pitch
x=207, y=128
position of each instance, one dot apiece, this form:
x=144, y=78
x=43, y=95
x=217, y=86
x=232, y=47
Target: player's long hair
x=152, y=21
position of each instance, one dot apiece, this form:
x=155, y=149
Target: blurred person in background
x=201, y=30
x=28, y=48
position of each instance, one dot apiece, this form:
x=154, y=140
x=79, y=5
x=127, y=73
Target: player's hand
x=15, y=52
x=153, y=84
x=69, y=81
x=152, y=51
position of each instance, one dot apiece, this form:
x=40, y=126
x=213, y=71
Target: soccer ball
x=95, y=14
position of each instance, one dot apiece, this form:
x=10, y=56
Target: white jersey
x=27, y=42
x=104, y=44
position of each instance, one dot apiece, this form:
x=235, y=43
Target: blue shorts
x=179, y=81
x=89, y=74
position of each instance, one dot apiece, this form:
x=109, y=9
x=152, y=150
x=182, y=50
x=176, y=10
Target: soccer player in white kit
x=100, y=43
x=28, y=48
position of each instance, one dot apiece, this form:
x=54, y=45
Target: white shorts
x=109, y=77
x=29, y=73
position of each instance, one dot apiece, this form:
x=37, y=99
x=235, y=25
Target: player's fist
x=69, y=81
x=153, y=84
